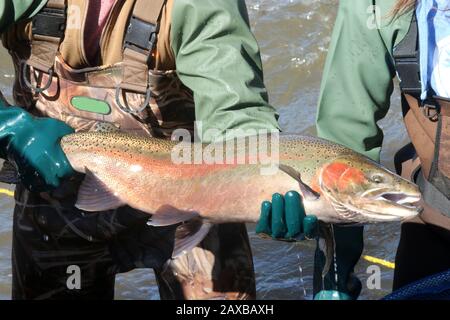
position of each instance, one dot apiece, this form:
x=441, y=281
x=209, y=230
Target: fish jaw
x=387, y=205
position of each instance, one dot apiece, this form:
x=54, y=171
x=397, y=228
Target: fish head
x=362, y=191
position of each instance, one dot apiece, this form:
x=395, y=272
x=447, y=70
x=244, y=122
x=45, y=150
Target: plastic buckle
x=408, y=71
x=50, y=22
x=141, y=36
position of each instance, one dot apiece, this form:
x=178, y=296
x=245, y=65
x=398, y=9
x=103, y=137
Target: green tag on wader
x=90, y=105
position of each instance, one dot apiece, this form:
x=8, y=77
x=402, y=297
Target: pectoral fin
x=306, y=190
x=94, y=195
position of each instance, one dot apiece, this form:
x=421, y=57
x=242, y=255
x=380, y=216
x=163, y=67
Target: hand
x=284, y=218
x=32, y=145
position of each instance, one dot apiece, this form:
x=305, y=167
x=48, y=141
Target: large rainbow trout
x=337, y=184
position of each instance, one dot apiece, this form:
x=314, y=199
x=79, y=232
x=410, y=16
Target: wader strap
x=407, y=61
x=47, y=33
x=421, y=131
x=421, y=120
x=433, y=196
x=139, y=43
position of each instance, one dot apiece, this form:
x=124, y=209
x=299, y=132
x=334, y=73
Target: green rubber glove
x=284, y=218
x=31, y=144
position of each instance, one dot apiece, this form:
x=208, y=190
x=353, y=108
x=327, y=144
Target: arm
x=217, y=57
x=355, y=94
x=12, y=11
x=357, y=79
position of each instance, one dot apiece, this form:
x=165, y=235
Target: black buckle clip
x=50, y=22
x=408, y=71
x=141, y=36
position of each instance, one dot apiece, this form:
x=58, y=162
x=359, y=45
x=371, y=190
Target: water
x=294, y=36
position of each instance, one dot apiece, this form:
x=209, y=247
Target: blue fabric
x=435, y=287
x=433, y=19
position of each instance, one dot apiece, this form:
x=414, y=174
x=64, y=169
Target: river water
x=293, y=36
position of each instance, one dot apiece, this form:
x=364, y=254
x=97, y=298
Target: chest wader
x=425, y=241
x=134, y=90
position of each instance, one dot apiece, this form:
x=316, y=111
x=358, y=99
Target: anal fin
x=168, y=215
x=188, y=235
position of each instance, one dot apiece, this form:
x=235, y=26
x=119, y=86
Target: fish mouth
x=378, y=205
x=399, y=198
x=395, y=203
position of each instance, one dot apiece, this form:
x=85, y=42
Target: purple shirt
x=97, y=15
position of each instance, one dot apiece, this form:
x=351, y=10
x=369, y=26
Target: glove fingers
x=264, y=224
x=278, y=217
x=295, y=213
x=310, y=226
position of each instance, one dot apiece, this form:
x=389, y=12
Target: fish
x=337, y=184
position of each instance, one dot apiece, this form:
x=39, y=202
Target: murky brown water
x=294, y=36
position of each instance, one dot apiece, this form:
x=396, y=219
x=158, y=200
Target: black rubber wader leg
x=424, y=250
x=41, y=259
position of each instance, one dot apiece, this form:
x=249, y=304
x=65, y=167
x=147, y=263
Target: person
x=145, y=67
x=373, y=41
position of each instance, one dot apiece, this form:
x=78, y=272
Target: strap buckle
x=408, y=72
x=50, y=22
x=141, y=36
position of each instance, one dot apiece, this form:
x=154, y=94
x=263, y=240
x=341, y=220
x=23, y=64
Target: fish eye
x=377, y=178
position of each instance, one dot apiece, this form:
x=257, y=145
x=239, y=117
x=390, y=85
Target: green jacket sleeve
x=12, y=11
x=218, y=58
x=357, y=79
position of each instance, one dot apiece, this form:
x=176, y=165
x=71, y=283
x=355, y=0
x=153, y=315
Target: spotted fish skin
x=337, y=184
